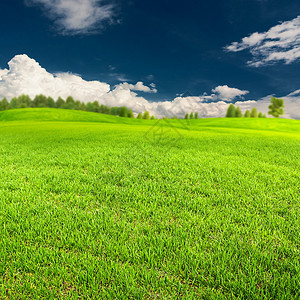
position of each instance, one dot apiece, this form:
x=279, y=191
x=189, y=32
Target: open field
x=95, y=206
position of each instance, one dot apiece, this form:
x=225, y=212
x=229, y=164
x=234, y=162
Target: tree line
x=276, y=110
x=191, y=116
x=24, y=101
x=235, y=112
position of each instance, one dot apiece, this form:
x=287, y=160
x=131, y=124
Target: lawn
x=100, y=207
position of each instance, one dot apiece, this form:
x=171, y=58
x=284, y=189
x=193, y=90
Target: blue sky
x=196, y=48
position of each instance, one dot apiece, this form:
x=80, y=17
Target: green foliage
x=100, y=211
x=230, y=111
x=254, y=113
x=60, y=103
x=276, y=107
x=50, y=102
x=70, y=103
x=191, y=115
x=238, y=113
x=4, y=105
x=152, y=118
x=139, y=116
x=96, y=106
x=130, y=114
x=22, y=101
x=260, y=115
x=146, y=115
x=123, y=112
x=79, y=105
x=114, y=111
x=247, y=114
x=91, y=107
x=104, y=109
x=196, y=115
x=186, y=116
x=40, y=101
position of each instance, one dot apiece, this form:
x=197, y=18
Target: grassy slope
x=103, y=207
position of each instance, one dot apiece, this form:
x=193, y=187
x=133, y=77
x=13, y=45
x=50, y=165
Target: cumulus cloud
x=280, y=43
x=26, y=76
x=139, y=86
x=76, y=16
x=3, y=72
x=227, y=93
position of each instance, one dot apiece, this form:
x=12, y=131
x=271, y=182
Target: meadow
x=94, y=206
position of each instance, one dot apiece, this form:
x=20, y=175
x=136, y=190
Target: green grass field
x=98, y=207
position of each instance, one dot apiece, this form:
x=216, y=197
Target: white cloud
x=139, y=86
x=227, y=93
x=3, y=72
x=26, y=76
x=76, y=16
x=280, y=43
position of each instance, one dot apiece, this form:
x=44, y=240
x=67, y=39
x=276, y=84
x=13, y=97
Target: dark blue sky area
x=179, y=43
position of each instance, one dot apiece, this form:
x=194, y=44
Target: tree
x=186, y=116
x=79, y=105
x=13, y=103
x=60, y=102
x=130, y=114
x=50, y=102
x=4, y=105
x=22, y=101
x=254, y=113
x=40, y=101
x=139, y=116
x=70, y=103
x=247, y=114
x=238, y=113
x=152, y=118
x=114, y=111
x=191, y=115
x=146, y=115
x=276, y=107
x=196, y=115
x=97, y=106
x=230, y=111
x=123, y=111
x=91, y=107
x=104, y=109
x=260, y=115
